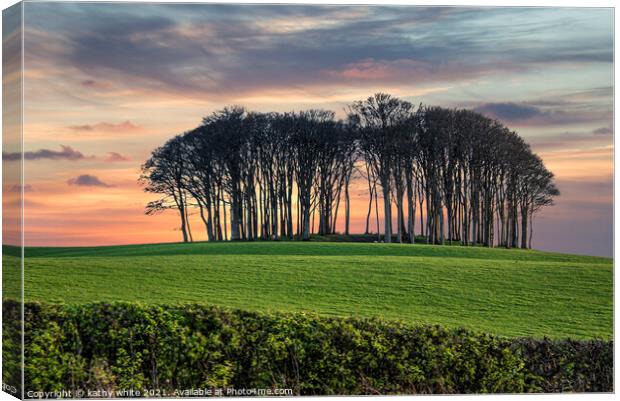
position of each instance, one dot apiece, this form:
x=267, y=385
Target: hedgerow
x=115, y=346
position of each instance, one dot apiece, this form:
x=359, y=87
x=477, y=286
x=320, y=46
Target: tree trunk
x=410, y=210
x=234, y=220
x=387, y=207
x=207, y=222
x=531, y=229
x=183, y=224
x=367, y=230
x=347, y=207
x=306, y=223
x=399, y=214
x=514, y=243
x=524, y=230
x=289, y=207
x=188, y=226
x=377, y=214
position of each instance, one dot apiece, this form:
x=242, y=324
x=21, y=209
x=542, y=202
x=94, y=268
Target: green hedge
x=569, y=365
x=11, y=348
x=113, y=346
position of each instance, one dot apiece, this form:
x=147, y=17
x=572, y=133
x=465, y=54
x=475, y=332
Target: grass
x=507, y=292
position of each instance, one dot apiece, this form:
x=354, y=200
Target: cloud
x=86, y=180
x=525, y=114
x=509, y=111
x=17, y=203
x=107, y=127
x=18, y=188
x=294, y=46
x=116, y=157
x=66, y=153
x=403, y=70
x=91, y=83
x=569, y=141
x=603, y=131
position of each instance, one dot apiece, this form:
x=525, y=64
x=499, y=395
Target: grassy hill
x=507, y=292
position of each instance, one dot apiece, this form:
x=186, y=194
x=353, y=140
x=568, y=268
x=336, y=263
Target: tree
x=270, y=175
x=309, y=130
x=381, y=118
x=163, y=173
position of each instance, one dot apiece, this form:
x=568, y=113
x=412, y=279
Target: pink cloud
x=108, y=127
x=371, y=69
x=406, y=70
x=116, y=157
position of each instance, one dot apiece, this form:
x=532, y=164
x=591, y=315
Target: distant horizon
x=107, y=83
x=297, y=242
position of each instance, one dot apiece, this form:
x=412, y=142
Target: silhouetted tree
x=467, y=178
x=163, y=174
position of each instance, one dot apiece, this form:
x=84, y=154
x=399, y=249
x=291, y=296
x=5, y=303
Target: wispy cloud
x=603, y=131
x=86, y=180
x=94, y=84
x=66, y=153
x=525, y=114
x=107, y=127
x=510, y=111
x=19, y=188
x=528, y=114
x=116, y=157
x=307, y=46
x=570, y=141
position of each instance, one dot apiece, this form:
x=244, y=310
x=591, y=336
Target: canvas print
x=291, y=200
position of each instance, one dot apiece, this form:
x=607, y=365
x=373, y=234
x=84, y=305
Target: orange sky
x=105, y=84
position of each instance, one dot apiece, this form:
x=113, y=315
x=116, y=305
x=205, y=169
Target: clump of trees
x=248, y=175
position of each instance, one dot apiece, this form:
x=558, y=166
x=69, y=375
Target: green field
x=507, y=292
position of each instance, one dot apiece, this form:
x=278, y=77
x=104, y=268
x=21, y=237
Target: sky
x=104, y=84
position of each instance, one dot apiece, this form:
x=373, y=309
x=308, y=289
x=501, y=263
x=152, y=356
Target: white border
x=484, y=3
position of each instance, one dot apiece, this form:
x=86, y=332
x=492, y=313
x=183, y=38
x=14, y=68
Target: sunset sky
x=107, y=83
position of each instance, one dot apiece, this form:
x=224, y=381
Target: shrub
x=569, y=365
x=115, y=346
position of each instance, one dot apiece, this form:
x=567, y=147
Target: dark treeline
x=445, y=174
